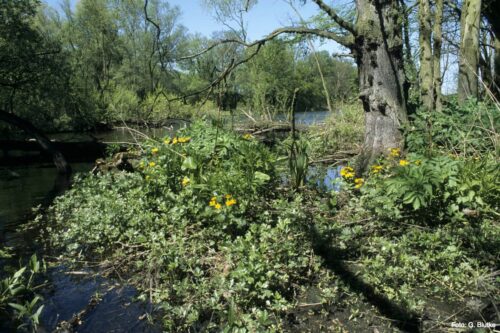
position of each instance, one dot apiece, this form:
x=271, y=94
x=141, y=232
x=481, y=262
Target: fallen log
x=84, y=151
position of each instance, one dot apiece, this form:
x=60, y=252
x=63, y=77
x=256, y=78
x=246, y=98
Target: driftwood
x=337, y=158
x=120, y=161
x=269, y=128
x=86, y=151
x=43, y=142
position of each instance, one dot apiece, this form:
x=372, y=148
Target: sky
x=263, y=18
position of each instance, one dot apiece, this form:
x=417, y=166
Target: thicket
x=104, y=62
x=208, y=226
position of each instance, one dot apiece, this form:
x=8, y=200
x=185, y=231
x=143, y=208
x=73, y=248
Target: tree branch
x=333, y=14
x=346, y=41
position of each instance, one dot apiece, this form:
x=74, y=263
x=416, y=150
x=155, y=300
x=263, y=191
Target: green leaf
x=188, y=164
x=261, y=178
x=18, y=307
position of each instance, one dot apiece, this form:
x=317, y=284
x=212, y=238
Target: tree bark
x=496, y=72
x=426, y=75
x=437, y=44
x=468, y=83
x=383, y=88
x=59, y=161
x=491, y=9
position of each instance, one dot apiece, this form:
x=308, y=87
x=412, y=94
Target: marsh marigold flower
x=166, y=140
x=213, y=202
x=217, y=206
x=175, y=140
x=154, y=150
x=230, y=202
x=377, y=168
x=185, y=181
x=247, y=136
x=395, y=152
x=418, y=162
x=358, y=182
x=347, y=172
x=403, y=162
x=152, y=164
x=184, y=139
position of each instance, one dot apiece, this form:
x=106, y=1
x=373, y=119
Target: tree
x=375, y=40
x=25, y=61
x=430, y=40
x=468, y=82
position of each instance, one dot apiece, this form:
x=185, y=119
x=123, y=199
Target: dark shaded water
x=25, y=187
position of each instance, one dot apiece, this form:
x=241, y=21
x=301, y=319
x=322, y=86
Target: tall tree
x=437, y=45
x=375, y=40
x=468, y=83
x=426, y=73
x=491, y=9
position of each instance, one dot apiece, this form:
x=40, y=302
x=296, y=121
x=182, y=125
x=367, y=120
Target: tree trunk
x=496, y=77
x=426, y=75
x=59, y=160
x=438, y=41
x=491, y=10
x=383, y=89
x=468, y=84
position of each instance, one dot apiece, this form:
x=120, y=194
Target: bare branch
x=346, y=41
x=333, y=14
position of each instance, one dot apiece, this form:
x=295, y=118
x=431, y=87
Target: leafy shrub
x=199, y=227
x=433, y=190
x=17, y=297
x=469, y=129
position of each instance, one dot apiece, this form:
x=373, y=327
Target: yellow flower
x=247, y=136
x=230, y=202
x=154, y=150
x=359, y=182
x=166, y=141
x=185, y=181
x=418, y=162
x=228, y=196
x=403, y=162
x=184, y=139
x=213, y=201
x=141, y=165
x=152, y=164
x=347, y=172
x=174, y=141
x=395, y=152
x=217, y=206
x=377, y=168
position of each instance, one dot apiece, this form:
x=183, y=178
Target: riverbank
x=207, y=230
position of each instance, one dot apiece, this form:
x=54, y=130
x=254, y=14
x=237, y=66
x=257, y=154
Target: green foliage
x=468, y=129
x=298, y=161
x=16, y=289
x=433, y=190
x=200, y=222
x=421, y=229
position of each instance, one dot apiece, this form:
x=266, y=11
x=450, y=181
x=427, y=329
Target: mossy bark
x=468, y=83
x=437, y=44
x=383, y=89
x=426, y=76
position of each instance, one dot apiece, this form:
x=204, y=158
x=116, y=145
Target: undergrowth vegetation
x=210, y=232
x=201, y=226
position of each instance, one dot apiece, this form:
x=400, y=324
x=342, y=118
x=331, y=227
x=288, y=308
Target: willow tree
x=468, y=83
x=374, y=38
